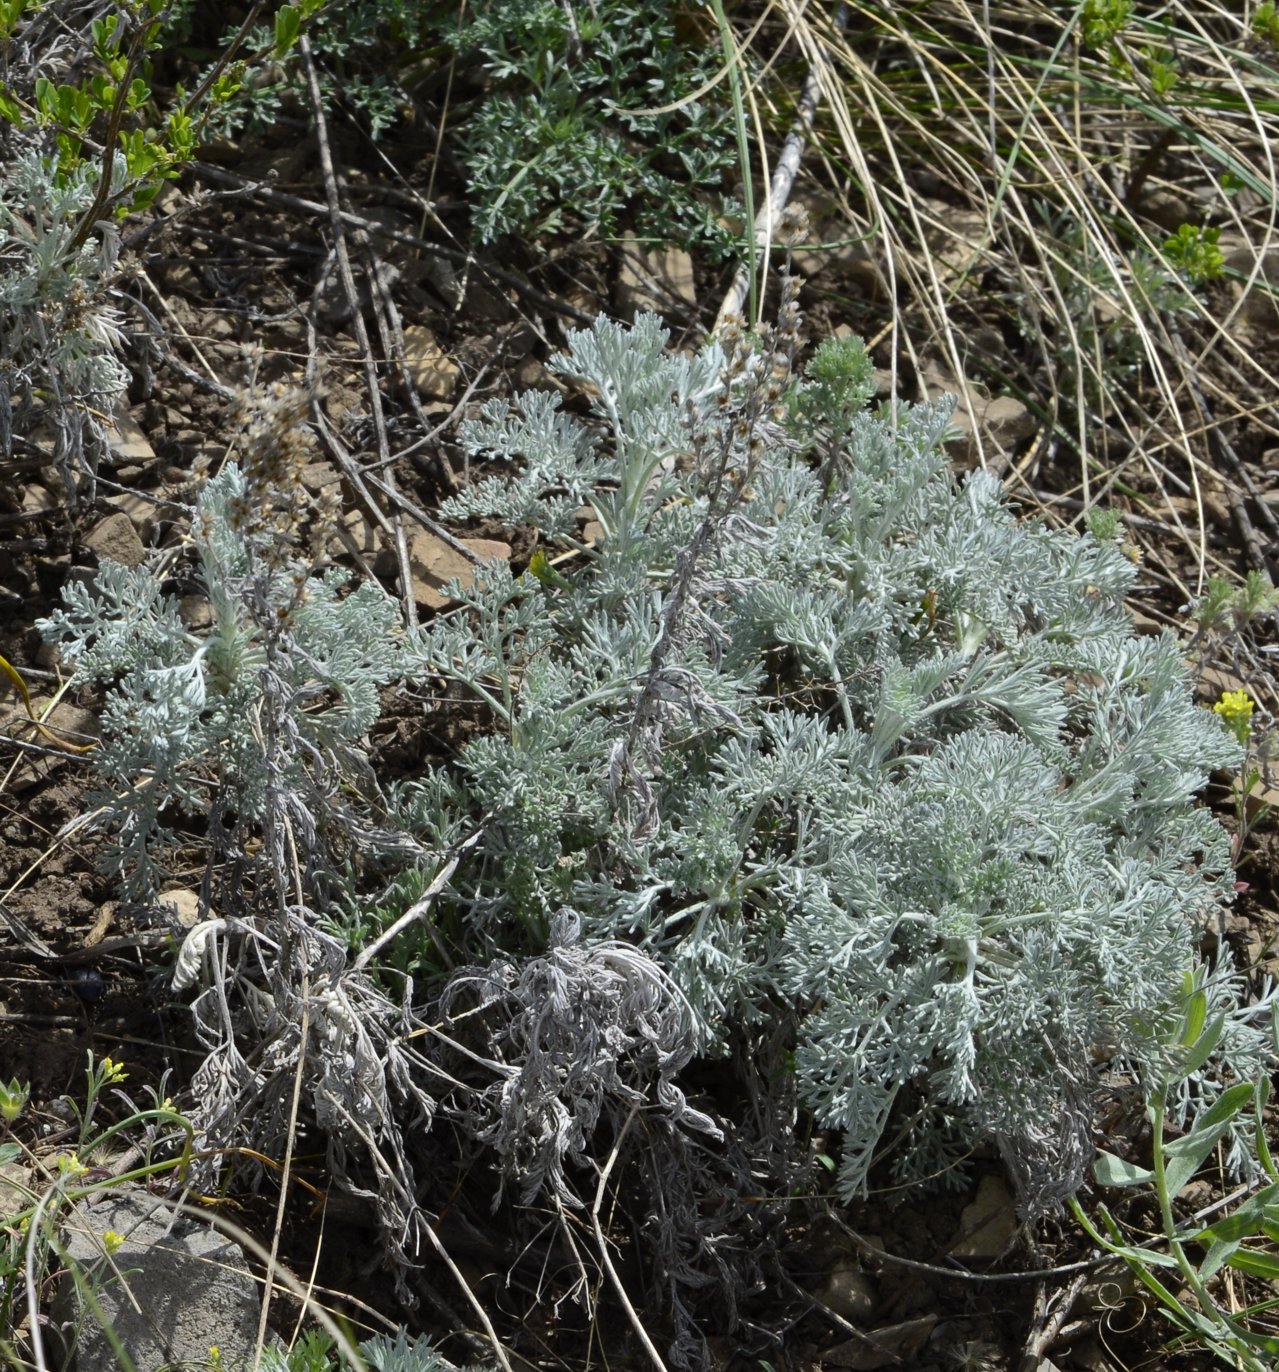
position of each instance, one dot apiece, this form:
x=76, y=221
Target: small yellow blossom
x=70, y=1166
x=112, y=1071
x=112, y=1241
x=1235, y=709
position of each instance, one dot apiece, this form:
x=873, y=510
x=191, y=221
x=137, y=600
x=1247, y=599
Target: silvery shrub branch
x=59, y=331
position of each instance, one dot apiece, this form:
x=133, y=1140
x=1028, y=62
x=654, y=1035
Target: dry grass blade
x=1020, y=162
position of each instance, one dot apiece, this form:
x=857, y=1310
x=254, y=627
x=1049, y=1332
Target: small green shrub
x=565, y=135
x=568, y=137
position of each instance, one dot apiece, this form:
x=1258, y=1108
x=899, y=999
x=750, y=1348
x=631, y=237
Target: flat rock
x=656, y=279
x=37, y=499
x=433, y=563
x=140, y=510
x=849, y=1292
x=988, y=1226
x=185, y=905
x=982, y=427
x=172, y=1290
x=433, y=373
x=1258, y=307
x=1008, y=422
x=116, y=539
x=196, y=611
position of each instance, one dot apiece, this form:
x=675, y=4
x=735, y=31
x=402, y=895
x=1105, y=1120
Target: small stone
x=181, y=277
x=87, y=983
x=1107, y=1292
x=434, y=374
x=958, y=238
x=140, y=511
x=196, y=611
x=656, y=279
x=433, y=564
x=849, y=1292
x=1258, y=306
x=833, y=251
x=317, y=475
x=1007, y=422
x=1167, y=209
x=38, y=499
x=66, y=719
x=531, y=374
x=127, y=442
x=988, y=1226
x=19, y=1189
x=1090, y=1355
x=115, y=539
x=184, y=904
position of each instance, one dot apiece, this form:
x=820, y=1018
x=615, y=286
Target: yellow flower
x=112, y=1071
x=1235, y=709
x=112, y=1241
x=70, y=1166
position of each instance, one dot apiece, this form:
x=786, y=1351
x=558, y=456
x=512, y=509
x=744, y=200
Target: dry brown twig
x=347, y=277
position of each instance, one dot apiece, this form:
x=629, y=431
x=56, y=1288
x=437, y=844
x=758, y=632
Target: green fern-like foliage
x=569, y=135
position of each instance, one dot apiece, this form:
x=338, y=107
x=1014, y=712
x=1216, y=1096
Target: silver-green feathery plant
x=813, y=759
x=838, y=741
x=59, y=332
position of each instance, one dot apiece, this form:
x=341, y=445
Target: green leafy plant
x=30, y=1240
x=1104, y=20
x=13, y=1099
x=569, y=137
x=1193, y=251
x=1243, y=1239
x=1230, y=608
x=1265, y=23
x=137, y=155
x=361, y=52
x=85, y=145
